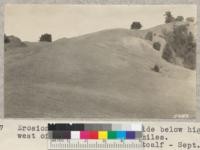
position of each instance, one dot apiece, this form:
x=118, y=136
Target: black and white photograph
x=100, y=61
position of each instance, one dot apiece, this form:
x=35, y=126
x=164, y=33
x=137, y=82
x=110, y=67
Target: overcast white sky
x=28, y=22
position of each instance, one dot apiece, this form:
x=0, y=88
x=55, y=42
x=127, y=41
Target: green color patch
x=112, y=134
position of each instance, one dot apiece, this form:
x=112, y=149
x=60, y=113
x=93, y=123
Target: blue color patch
x=121, y=135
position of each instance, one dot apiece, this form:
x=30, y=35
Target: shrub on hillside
x=179, y=18
x=190, y=54
x=46, y=38
x=156, y=68
x=190, y=61
x=180, y=45
x=168, y=53
x=149, y=36
x=157, y=46
x=6, y=39
x=168, y=17
x=190, y=19
x=136, y=25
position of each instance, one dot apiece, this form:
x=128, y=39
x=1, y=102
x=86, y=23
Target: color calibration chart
x=94, y=136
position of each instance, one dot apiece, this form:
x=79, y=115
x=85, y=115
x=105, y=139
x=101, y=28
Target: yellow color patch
x=102, y=135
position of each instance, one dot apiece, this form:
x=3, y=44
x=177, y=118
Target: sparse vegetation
x=46, y=38
x=179, y=18
x=190, y=19
x=168, y=53
x=13, y=41
x=168, y=17
x=157, y=46
x=156, y=68
x=149, y=36
x=6, y=39
x=190, y=61
x=136, y=25
x=180, y=44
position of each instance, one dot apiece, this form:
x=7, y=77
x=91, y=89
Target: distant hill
x=107, y=74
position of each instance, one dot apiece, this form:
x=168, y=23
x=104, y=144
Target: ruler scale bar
x=63, y=145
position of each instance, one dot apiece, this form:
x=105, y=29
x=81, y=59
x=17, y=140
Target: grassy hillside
x=107, y=74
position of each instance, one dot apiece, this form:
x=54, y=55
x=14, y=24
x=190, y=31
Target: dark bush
x=179, y=18
x=180, y=45
x=149, y=36
x=190, y=53
x=6, y=39
x=156, y=68
x=190, y=61
x=46, y=38
x=190, y=19
x=168, y=53
x=136, y=25
x=168, y=17
x=157, y=46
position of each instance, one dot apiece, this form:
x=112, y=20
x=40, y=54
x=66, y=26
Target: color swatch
x=95, y=131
